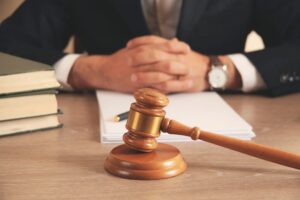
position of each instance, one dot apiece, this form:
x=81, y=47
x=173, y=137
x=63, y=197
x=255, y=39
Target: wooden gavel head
x=144, y=120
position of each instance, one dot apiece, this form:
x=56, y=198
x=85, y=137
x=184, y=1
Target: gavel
x=147, y=118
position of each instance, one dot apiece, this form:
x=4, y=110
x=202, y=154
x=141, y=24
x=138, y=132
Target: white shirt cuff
x=63, y=68
x=251, y=79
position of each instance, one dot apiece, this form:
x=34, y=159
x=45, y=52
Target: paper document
x=206, y=110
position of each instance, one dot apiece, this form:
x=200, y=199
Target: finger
x=169, y=67
x=148, y=39
x=172, y=86
x=150, y=78
x=145, y=55
x=171, y=46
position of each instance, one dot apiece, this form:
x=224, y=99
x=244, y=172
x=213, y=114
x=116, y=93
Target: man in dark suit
x=122, y=55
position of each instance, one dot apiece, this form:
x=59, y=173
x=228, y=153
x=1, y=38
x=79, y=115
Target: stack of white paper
x=206, y=110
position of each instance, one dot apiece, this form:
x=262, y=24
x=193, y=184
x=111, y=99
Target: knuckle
x=169, y=65
x=135, y=59
x=139, y=57
x=141, y=49
x=184, y=69
x=183, y=44
x=133, y=42
x=169, y=45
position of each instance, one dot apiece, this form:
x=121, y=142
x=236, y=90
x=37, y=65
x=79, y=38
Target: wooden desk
x=67, y=163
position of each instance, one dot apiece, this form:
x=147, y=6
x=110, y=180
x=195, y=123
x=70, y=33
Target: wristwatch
x=218, y=74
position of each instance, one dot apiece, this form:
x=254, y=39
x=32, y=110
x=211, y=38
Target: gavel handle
x=250, y=148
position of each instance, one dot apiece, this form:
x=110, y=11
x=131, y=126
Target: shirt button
x=284, y=78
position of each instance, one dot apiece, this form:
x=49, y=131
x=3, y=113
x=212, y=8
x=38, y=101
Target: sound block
x=164, y=162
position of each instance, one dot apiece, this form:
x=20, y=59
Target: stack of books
x=27, y=96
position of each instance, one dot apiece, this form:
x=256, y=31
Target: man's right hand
x=117, y=71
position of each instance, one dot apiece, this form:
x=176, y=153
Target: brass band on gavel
x=147, y=125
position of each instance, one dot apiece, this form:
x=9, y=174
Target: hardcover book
x=19, y=75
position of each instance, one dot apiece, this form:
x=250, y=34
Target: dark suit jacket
x=40, y=30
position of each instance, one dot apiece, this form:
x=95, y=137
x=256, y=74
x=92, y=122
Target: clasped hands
x=148, y=61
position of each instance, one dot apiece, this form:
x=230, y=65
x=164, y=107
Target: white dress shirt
x=162, y=17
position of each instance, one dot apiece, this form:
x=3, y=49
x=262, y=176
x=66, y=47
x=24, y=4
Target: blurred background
x=7, y=7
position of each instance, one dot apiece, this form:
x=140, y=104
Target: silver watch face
x=217, y=78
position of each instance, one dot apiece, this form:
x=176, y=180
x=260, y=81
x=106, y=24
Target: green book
x=19, y=75
x=29, y=104
x=30, y=124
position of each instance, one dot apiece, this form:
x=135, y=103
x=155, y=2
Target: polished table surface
x=67, y=163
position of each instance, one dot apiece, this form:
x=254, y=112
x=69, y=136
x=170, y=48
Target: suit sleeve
x=278, y=22
x=38, y=30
